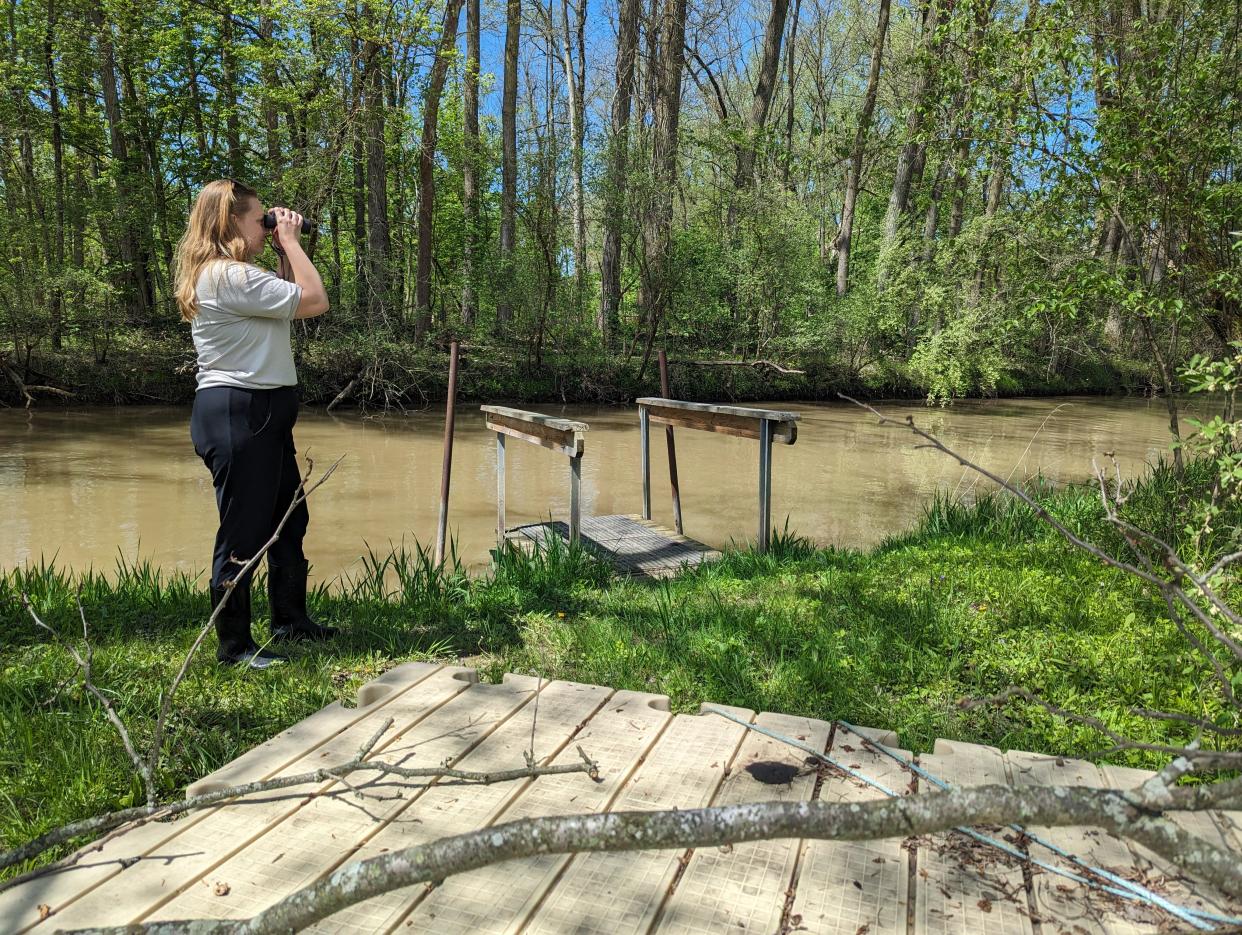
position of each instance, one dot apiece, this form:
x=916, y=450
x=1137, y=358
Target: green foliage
x=1080, y=210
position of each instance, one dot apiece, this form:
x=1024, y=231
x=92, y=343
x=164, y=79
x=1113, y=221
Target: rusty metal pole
x=672, y=447
x=446, y=473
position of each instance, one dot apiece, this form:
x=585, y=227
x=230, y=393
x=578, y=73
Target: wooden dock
x=232, y=861
x=635, y=547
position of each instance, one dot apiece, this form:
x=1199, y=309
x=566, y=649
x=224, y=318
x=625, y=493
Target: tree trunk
x=271, y=122
x=508, y=161
x=618, y=161
x=919, y=94
x=426, y=171
x=379, y=242
x=228, y=91
x=575, y=82
x=932, y=219
x=470, y=168
x=768, y=63
x=203, y=169
x=790, y=76
x=57, y=259
x=654, y=297
x=854, y=173
x=137, y=289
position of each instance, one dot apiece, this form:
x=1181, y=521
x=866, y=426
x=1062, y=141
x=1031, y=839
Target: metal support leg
x=500, y=490
x=644, y=432
x=765, y=483
x=575, y=483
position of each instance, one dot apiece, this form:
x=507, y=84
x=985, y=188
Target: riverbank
x=135, y=368
x=971, y=601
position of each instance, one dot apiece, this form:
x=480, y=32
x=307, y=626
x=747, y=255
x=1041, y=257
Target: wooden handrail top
x=738, y=421
x=743, y=412
x=538, y=418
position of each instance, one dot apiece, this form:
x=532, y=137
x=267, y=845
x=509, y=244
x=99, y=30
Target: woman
x=247, y=401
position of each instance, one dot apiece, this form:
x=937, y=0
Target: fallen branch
x=344, y=394
x=141, y=815
x=26, y=389
x=754, y=364
x=1110, y=809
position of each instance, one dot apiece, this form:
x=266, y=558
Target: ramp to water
x=634, y=546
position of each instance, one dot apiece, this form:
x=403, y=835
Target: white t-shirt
x=241, y=331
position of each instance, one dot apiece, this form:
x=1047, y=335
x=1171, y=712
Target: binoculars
x=269, y=221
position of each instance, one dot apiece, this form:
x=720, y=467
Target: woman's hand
x=288, y=229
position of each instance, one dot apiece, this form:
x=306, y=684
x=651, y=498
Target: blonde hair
x=211, y=234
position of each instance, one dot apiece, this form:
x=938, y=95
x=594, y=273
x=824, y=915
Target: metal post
x=672, y=448
x=500, y=490
x=765, y=483
x=447, y=470
x=575, y=483
x=644, y=433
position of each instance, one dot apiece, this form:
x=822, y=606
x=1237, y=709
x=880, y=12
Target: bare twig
x=1203, y=759
x=145, y=770
x=1201, y=723
x=157, y=741
x=359, y=764
x=933, y=442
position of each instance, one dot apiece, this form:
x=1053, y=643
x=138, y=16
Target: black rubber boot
x=233, y=631
x=286, y=592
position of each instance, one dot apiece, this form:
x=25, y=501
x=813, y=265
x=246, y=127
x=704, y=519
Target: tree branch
x=733, y=824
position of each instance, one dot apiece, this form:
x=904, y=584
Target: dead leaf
x=863, y=929
x=44, y=911
x=985, y=904
x=222, y=889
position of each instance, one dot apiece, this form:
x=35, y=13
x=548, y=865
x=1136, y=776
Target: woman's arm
x=297, y=266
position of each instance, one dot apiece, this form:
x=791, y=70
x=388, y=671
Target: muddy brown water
x=88, y=486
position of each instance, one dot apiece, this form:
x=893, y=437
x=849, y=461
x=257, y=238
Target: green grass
x=975, y=598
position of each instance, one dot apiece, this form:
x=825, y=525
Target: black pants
x=245, y=437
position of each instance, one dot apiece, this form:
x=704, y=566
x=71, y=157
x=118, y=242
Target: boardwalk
x=233, y=861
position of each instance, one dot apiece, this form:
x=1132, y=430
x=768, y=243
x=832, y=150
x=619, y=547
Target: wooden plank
x=445, y=809
x=140, y=862
x=848, y=887
x=285, y=815
x=755, y=876
x=620, y=893
x=523, y=415
x=563, y=441
x=1061, y=905
x=497, y=898
x=961, y=884
x=723, y=423
x=747, y=412
x=327, y=829
x=304, y=737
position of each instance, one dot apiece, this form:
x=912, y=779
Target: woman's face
x=250, y=223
